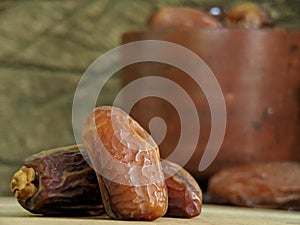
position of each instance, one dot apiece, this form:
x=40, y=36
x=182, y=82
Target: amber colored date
x=58, y=182
x=184, y=193
x=247, y=15
x=181, y=18
x=266, y=185
x=127, y=163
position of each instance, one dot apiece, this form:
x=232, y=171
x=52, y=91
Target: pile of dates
x=118, y=171
x=125, y=178
x=128, y=181
x=243, y=15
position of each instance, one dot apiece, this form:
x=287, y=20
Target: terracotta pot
x=259, y=73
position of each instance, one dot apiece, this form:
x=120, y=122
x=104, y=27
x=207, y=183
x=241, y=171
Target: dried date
x=247, y=15
x=127, y=164
x=267, y=185
x=58, y=182
x=184, y=193
x=182, y=17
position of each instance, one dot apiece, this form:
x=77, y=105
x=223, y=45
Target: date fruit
x=184, y=193
x=127, y=163
x=182, y=17
x=247, y=15
x=266, y=185
x=58, y=182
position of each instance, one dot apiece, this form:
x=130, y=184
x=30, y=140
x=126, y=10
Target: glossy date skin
x=265, y=185
x=127, y=163
x=184, y=193
x=58, y=182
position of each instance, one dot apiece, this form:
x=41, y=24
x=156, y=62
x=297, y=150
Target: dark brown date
x=184, y=193
x=58, y=182
x=247, y=15
x=267, y=185
x=182, y=17
x=127, y=163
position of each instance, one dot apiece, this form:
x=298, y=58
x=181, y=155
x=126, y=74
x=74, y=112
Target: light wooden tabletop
x=12, y=213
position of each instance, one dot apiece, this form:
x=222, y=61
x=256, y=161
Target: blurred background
x=45, y=47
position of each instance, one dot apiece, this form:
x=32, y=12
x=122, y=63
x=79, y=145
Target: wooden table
x=12, y=213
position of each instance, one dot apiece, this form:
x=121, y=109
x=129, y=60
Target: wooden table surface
x=12, y=213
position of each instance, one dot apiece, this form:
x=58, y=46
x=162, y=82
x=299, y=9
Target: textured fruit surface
x=58, y=182
x=127, y=162
x=184, y=193
x=268, y=185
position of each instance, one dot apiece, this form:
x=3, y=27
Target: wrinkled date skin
x=182, y=17
x=58, y=182
x=184, y=193
x=266, y=185
x=127, y=163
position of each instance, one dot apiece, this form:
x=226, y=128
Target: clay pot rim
x=212, y=30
